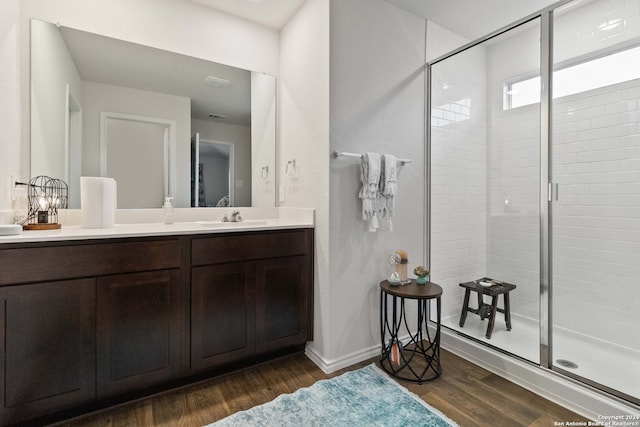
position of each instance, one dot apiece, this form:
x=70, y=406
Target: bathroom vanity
x=89, y=322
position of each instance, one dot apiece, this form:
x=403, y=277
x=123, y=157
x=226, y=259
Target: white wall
x=263, y=140
x=53, y=70
x=240, y=137
x=377, y=104
x=303, y=135
x=473, y=19
x=441, y=41
x=11, y=151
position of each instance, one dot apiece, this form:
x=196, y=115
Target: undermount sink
x=10, y=229
x=245, y=223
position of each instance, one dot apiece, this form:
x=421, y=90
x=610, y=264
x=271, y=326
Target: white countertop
x=283, y=219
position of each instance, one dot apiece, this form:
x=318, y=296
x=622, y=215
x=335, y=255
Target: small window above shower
x=599, y=69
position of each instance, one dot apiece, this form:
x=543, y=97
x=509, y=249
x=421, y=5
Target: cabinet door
x=282, y=303
x=47, y=347
x=222, y=314
x=138, y=330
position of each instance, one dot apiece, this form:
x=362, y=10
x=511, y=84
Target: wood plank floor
x=466, y=393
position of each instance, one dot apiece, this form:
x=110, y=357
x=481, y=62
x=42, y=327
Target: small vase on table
x=422, y=275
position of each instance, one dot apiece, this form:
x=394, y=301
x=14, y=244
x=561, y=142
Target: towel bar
x=337, y=154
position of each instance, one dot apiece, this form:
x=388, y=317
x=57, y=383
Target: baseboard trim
x=573, y=395
x=329, y=366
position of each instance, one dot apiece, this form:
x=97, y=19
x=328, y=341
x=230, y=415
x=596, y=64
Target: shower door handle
x=553, y=192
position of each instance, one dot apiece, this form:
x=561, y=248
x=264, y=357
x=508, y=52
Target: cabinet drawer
x=34, y=264
x=245, y=247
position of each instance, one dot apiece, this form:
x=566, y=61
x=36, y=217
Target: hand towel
x=370, y=177
x=388, y=187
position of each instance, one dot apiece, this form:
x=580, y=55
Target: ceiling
x=473, y=19
x=110, y=61
x=271, y=13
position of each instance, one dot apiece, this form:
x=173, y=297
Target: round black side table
x=418, y=359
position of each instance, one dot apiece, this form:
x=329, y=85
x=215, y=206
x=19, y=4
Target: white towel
x=388, y=187
x=370, y=177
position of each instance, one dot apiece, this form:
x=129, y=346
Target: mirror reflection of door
x=142, y=169
x=214, y=172
x=195, y=171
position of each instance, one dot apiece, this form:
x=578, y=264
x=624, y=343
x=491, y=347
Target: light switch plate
x=281, y=193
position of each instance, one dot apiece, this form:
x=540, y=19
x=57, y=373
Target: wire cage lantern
x=46, y=195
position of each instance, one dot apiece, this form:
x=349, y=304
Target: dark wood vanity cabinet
x=47, y=347
x=222, y=314
x=85, y=322
x=138, y=330
x=282, y=303
x=82, y=320
x=250, y=295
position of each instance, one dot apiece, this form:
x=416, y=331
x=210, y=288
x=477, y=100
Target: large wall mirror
x=160, y=123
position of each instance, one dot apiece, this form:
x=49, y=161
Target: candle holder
x=398, y=261
x=401, y=267
x=46, y=195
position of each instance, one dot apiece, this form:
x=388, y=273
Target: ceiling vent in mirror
x=214, y=81
x=217, y=116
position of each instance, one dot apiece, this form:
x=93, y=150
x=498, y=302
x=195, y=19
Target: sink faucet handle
x=225, y=218
x=235, y=216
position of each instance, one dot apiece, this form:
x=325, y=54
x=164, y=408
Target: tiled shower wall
x=596, y=220
x=513, y=223
x=485, y=176
x=485, y=186
x=596, y=163
x=458, y=175
x=513, y=180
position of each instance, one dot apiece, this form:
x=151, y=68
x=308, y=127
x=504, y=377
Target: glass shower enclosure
x=534, y=180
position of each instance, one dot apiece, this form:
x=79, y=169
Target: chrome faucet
x=235, y=217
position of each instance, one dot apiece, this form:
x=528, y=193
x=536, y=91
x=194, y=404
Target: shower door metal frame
x=547, y=192
x=546, y=73
x=546, y=69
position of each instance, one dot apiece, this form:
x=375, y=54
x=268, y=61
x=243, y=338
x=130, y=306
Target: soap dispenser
x=168, y=210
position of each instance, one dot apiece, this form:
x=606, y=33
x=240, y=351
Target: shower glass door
x=485, y=186
x=595, y=211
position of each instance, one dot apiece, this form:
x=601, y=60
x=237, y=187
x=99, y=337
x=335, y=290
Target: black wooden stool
x=487, y=310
